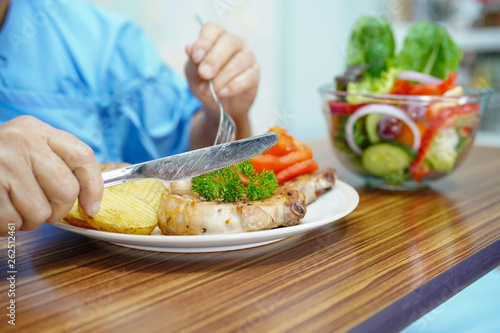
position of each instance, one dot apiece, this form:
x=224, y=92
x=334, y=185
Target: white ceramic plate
x=331, y=206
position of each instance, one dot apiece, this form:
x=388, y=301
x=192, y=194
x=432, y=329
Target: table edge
x=425, y=298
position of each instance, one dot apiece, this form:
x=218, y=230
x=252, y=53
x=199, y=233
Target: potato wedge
x=75, y=218
x=112, y=166
x=122, y=212
x=149, y=190
x=78, y=223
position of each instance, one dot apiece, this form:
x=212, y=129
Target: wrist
x=204, y=127
x=243, y=128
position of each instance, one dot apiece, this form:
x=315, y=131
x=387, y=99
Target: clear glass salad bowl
x=402, y=142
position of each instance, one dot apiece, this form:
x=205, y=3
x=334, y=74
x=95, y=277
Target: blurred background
x=302, y=44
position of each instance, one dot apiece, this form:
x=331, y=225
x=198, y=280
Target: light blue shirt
x=94, y=74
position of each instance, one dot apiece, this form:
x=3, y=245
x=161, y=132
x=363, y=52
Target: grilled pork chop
x=311, y=184
x=190, y=215
x=183, y=213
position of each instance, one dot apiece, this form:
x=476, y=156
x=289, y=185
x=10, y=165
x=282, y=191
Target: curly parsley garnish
x=226, y=184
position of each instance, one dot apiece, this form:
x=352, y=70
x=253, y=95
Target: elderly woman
x=80, y=85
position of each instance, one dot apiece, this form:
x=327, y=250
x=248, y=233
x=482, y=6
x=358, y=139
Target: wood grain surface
x=397, y=256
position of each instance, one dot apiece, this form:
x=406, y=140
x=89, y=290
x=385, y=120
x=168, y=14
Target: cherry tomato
x=388, y=128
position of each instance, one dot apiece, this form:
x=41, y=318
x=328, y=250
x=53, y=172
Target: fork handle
x=212, y=90
x=210, y=84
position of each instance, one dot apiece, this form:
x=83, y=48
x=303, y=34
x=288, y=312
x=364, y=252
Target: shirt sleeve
x=155, y=98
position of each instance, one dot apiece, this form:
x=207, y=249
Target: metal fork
x=227, y=127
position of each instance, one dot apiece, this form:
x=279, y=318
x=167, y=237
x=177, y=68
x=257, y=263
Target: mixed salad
x=397, y=137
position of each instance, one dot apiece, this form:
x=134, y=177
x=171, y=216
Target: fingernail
x=189, y=48
x=224, y=91
x=206, y=71
x=95, y=208
x=198, y=55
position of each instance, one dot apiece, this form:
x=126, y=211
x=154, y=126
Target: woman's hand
x=224, y=58
x=42, y=172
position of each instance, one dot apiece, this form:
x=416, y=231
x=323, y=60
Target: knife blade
x=193, y=163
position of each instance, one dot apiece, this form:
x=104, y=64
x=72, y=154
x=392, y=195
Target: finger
x=81, y=161
x=189, y=49
x=9, y=214
x=20, y=190
x=29, y=200
x=221, y=52
x=246, y=81
x=238, y=64
x=198, y=86
x=57, y=182
x=209, y=34
x=191, y=71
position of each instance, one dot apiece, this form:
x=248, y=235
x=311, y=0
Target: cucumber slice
x=385, y=160
x=372, y=121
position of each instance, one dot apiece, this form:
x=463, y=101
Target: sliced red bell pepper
x=434, y=89
x=446, y=115
x=401, y=87
x=404, y=87
x=425, y=90
x=339, y=107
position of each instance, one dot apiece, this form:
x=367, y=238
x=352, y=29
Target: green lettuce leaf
x=429, y=49
x=371, y=43
x=442, y=154
x=372, y=85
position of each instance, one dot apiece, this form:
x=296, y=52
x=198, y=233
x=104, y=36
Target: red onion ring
x=384, y=109
x=418, y=77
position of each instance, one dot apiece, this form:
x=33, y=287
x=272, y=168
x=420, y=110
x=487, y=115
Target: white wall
x=316, y=35
x=300, y=45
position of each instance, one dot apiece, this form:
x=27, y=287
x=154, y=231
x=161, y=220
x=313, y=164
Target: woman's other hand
x=226, y=59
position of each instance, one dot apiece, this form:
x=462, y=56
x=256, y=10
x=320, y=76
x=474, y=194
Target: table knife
x=193, y=163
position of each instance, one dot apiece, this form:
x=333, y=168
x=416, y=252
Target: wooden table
x=396, y=257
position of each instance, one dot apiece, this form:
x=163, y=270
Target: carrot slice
x=288, y=159
x=296, y=170
x=406, y=135
x=286, y=143
x=278, y=163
